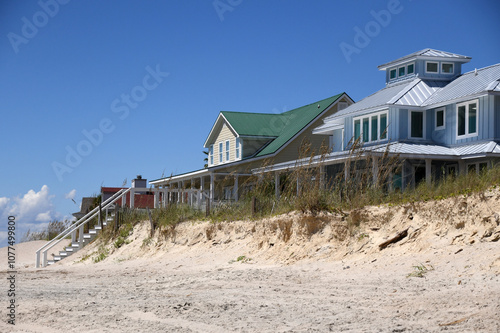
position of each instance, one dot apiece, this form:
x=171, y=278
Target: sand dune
x=290, y=273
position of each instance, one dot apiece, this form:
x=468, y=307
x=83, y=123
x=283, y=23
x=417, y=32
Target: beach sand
x=290, y=273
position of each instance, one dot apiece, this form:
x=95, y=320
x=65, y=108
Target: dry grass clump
x=311, y=225
x=285, y=227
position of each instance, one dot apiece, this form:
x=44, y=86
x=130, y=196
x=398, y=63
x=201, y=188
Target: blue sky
x=133, y=87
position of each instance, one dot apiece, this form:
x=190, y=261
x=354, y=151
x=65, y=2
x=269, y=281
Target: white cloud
x=71, y=194
x=32, y=211
x=43, y=217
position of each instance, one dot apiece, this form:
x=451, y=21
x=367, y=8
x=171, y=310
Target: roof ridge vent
x=475, y=71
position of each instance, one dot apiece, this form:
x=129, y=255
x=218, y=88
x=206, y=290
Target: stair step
x=93, y=232
x=57, y=258
x=63, y=254
x=87, y=236
x=50, y=262
x=75, y=245
x=98, y=227
x=69, y=249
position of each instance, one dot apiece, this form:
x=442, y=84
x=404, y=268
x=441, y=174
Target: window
x=392, y=74
x=357, y=129
x=467, y=119
x=401, y=71
x=366, y=129
x=416, y=124
x=238, y=148
x=410, y=69
x=227, y=150
x=431, y=67
x=477, y=167
x=371, y=128
x=447, y=68
x=383, y=126
x=211, y=154
x=220, y=153
x=374, y=124
x=440, y=119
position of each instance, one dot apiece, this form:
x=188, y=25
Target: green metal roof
x=283, y=126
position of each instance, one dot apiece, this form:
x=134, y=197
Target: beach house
x=435, y=120
x=241, y=141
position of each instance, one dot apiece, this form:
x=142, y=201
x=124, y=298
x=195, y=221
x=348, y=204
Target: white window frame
x=447, y=63
x=413, y=68
x=433, y=62
x=395, y=77
x=404, y=67
x=423, y=125
x=436, y=117
x=237, y=145
x=467, y=134
x=221, y=156
x=228, y=146
x=211, y=155
x=379, y=129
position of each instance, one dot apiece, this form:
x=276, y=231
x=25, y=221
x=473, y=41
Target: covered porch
x=410, y=164
x=200, y=187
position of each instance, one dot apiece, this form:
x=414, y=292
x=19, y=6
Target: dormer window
x=401, y=71
x=431, y=67
x=238, y=148
x=411, y=69
x=447, y=68
x=393, y=74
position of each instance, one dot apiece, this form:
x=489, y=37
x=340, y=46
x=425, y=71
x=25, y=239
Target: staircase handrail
x=80, y=222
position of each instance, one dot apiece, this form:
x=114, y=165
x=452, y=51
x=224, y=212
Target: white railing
x=79, y=224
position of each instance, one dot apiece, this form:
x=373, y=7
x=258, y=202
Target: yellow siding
x=224, y=135
x=291, y=151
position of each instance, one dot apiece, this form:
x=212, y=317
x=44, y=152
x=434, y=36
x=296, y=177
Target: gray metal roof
x=425, y=149
x=378, y=99
x=471, y=83
x=426, y=53
x=419, y=93
x=413, y=93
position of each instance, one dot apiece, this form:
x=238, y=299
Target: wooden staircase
x=106, y=209
x=87, y=239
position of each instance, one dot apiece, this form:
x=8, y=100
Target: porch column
x=178, y=192
x=375, y=171
x=200, y=196
x=157, y=197
x=183, y=192
x=403, y=176
x=132, y=197
x=277, y=184
x=322, y=177
x=235, y=193
x=461, y=167
x=346, y=172
x=211, y=187
x=428, y=171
